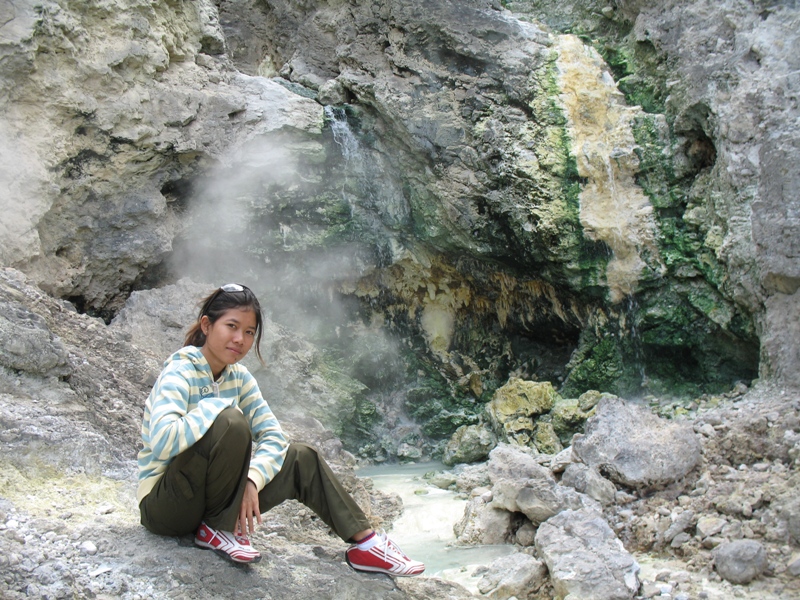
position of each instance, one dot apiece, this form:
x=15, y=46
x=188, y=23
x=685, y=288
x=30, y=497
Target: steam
x=283, y=213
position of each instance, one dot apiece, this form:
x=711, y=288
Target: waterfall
x=370, y=192
x=631, y=310
x=343, y=134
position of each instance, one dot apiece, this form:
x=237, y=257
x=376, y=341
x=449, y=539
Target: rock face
x=588, y=481
x=636, y=448
x=469, y=443
x=104, y=151
x=437, y=149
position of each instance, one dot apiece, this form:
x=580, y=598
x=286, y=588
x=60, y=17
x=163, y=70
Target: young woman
x=196, y=474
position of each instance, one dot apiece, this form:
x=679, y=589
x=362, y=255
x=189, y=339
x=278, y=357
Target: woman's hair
x=216, y=304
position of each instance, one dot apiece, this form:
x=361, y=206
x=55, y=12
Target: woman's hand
x=248, y=510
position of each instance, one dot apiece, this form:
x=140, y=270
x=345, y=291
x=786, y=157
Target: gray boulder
x=513, y=576
x=539, y=499
x=588, y=481
x=740, y=561
x=27, y=344
x=561, y=461
x=585, y=558
x=515, y=463
x=157, y=320
x=634, y=447
x=470, y=443
x=483, y=523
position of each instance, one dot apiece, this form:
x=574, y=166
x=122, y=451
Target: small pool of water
x=425, y=529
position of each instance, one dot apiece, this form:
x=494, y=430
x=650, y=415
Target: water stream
x=425, y=529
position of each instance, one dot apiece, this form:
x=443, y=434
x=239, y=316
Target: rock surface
x=740, y=561
x=454, y=161
x=596, y=195
x=515, y=576
x=585, y=558
x=634, y=447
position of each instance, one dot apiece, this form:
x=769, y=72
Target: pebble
x=105, y=509
x=794, y=565
x=88, y=547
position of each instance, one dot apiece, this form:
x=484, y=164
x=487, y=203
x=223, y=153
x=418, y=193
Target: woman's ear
x=205, y=324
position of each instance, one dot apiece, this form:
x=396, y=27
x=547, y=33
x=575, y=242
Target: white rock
x=88, y=547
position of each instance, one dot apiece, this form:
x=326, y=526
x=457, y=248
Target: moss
x=523, y=398
x=634, y=66
x=567, y=419
x=545, y=438
x=598, y=365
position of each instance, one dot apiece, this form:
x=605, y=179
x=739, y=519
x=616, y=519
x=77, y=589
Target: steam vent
x=551, y=248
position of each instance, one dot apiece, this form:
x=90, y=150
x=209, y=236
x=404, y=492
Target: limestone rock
x=585, y=558
x=589, y=399
x=27, y=344
x=680, y=524
x=539, y=499
x=588, y=481
x=709, y=526
x=470, y=443
x=469, y=477
x=783, y=327
x=514, y=407
x=634, y=447
x=514, y=576
x=740, y=561
x=483, y=523
x=561, y=460
x=568, y=418
x=507, y=461
x=157, y=320
x=143, y=102
x=794, y=565
x=545, y=439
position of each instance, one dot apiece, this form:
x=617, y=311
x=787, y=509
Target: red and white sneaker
x=383, y=557
x=233, y=547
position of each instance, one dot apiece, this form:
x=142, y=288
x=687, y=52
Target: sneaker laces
x=386, y=544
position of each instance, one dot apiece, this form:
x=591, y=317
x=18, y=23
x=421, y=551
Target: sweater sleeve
x=270, y=442
x=172, y=427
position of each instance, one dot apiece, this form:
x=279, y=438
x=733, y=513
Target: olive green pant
x=206, y=482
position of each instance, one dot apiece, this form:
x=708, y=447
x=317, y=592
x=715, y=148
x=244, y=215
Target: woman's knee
x=232, y=422
x=230, y=432
x=302, y=454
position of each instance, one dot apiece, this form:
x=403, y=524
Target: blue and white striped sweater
x=183, y=405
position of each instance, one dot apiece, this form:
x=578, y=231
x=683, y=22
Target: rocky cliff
x=429, y=197
x=594, y=194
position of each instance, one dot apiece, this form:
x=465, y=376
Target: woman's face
x=229, y=338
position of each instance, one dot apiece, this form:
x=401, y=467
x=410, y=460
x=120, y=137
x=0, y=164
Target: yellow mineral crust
x=613, y=208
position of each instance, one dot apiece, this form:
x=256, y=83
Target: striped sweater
x=183, y=405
